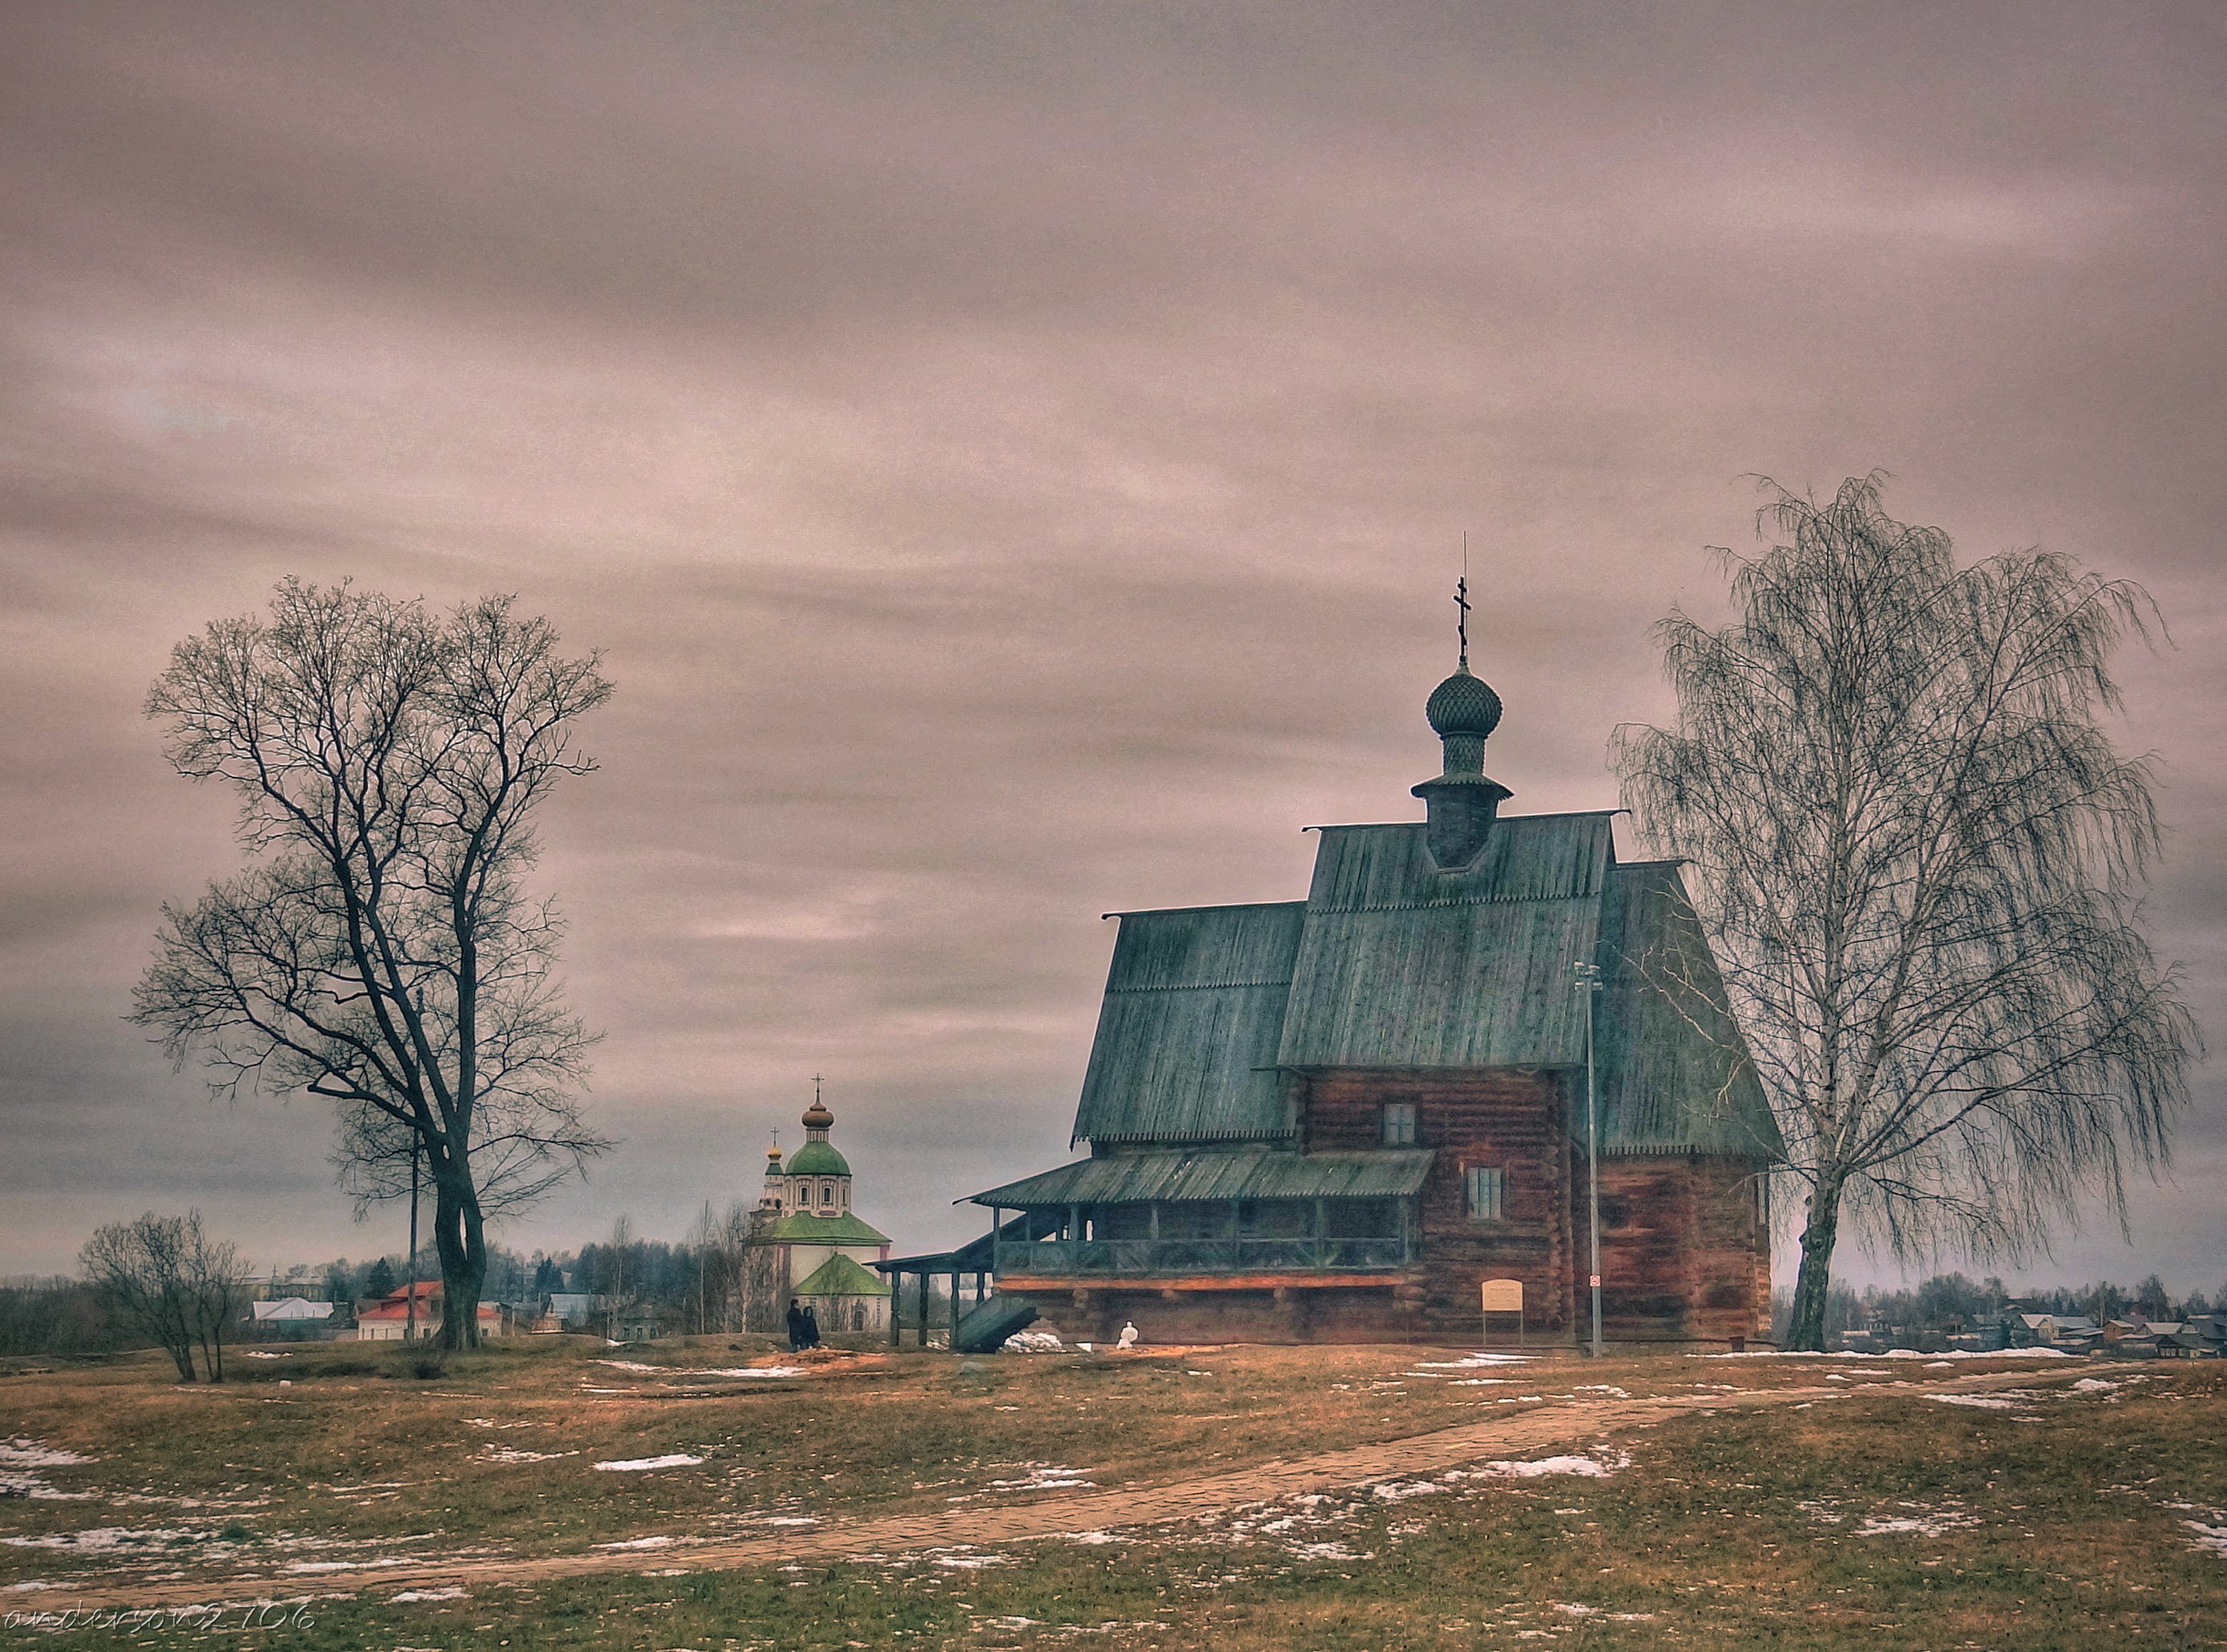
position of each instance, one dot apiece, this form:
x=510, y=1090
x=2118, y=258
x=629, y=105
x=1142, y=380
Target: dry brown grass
x=1728, y=1529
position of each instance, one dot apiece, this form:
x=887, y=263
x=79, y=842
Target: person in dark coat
x=797, y=1322
x=811, y=1326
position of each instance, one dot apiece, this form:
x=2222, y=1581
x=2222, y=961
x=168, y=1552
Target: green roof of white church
x=839, y=1276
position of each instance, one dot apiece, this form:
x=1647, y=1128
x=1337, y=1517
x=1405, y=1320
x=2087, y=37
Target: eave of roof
x=1240, y=1173
x=802, y=1227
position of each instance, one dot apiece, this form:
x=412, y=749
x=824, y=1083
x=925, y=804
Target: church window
x=1487, y=1192
x=1399, y=1129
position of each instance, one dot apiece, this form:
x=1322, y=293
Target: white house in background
x=290, y=1310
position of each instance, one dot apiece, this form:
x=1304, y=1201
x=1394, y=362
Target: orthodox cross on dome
x=1461, y=618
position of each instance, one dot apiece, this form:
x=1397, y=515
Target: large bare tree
x=380, y=948
x=1919, y=857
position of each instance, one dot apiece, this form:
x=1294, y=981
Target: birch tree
x=380, y=948
x=1919, y=857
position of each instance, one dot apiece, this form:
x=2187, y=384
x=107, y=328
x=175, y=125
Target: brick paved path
x=1420, y=1455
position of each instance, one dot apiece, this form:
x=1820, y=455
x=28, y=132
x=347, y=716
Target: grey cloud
x=1013, y=457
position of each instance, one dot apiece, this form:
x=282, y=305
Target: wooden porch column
x=897, y=1308
x=923, y=1307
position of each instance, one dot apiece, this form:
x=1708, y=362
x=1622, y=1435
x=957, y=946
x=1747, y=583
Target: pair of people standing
x=803, y=1328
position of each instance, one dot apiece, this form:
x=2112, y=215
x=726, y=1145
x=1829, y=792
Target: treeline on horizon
x=687, y=1283
x=1953, y=1302
x=690, y=1283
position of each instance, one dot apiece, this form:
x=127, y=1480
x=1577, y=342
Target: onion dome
x=816, y=1117
x=1463, y=704
x=818, y=1158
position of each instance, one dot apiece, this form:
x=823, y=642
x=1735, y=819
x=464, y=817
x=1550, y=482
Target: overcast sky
x=1014, y=459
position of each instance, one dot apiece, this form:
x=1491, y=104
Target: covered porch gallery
x=1281, y=1216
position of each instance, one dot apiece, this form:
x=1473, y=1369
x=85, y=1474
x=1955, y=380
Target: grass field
x=2069, y=1513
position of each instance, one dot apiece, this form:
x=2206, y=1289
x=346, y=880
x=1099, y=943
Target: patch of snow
x=1044, y=1477
x=960, y=1560
x=639, y=1543
x=1035, y=1341
x=1894, y=1353
x=1937, y=1522
x=508, y=1454
x=30, y=1485
x=1330, y=1550
x=631, y=1365
x=102, y=1539
x=1977, y=1402
x=257, y=1353
x=1470, y=1362
x=1572, y=1608
x=429, y=1594
x=1092, y=1540
x=750, y=1371
x=2093, y=1385
x=1592, y=1467
x=635, y=1464
x=1608, y=1388
x=20, y=1453
x=342, y=1565
x=1394, y=1491
x=2212, y=1539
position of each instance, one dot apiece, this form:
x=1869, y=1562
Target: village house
x=387, y=1318
x=1335, y=1119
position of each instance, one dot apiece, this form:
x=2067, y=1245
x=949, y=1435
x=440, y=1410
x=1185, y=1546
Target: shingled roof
x=1394, y=963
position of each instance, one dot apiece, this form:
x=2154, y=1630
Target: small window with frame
x=1397, y=1129
x=1487, y=1191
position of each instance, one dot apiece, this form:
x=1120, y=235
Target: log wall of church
x=1509, y=1119
x=1685, y=1250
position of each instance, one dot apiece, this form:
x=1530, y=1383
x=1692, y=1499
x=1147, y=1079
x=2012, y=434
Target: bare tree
x=1919, y=857
x=170, y=1281
x=380, y=948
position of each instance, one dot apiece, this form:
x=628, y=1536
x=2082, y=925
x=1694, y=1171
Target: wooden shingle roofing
x=1391, y=963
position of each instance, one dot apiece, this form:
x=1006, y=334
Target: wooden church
x=1334, y=1119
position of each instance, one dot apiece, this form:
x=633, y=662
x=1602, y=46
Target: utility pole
x=409, y=1270
x=1588, y=981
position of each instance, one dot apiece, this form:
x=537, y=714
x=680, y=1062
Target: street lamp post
x=1588, y=981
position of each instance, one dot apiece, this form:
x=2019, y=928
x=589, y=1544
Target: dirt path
x=1567, y=1424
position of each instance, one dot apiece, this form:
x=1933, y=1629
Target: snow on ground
x=639, y=1543
x=412, y=1595
x=1042, y=1476
x=631, y=1365
x=2092, y=1385
x=748, y=1371
x=1468, y=1362
x=1925, y=1522
x=2212, y=1539
x=1034, y=1342
x=98, y=1539
x=32, y=1485
x=508, y=1454
x=635, y=1464
x=22, y=1453
x=1902, y=1353
x=1977, y=1402
x=963, y=1559
x=309, y=1566
x=1590, y=1467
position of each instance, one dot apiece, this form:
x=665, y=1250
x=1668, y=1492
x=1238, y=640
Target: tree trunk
x=181, y=1355
x=1813, y=1282
x=461, y=1242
